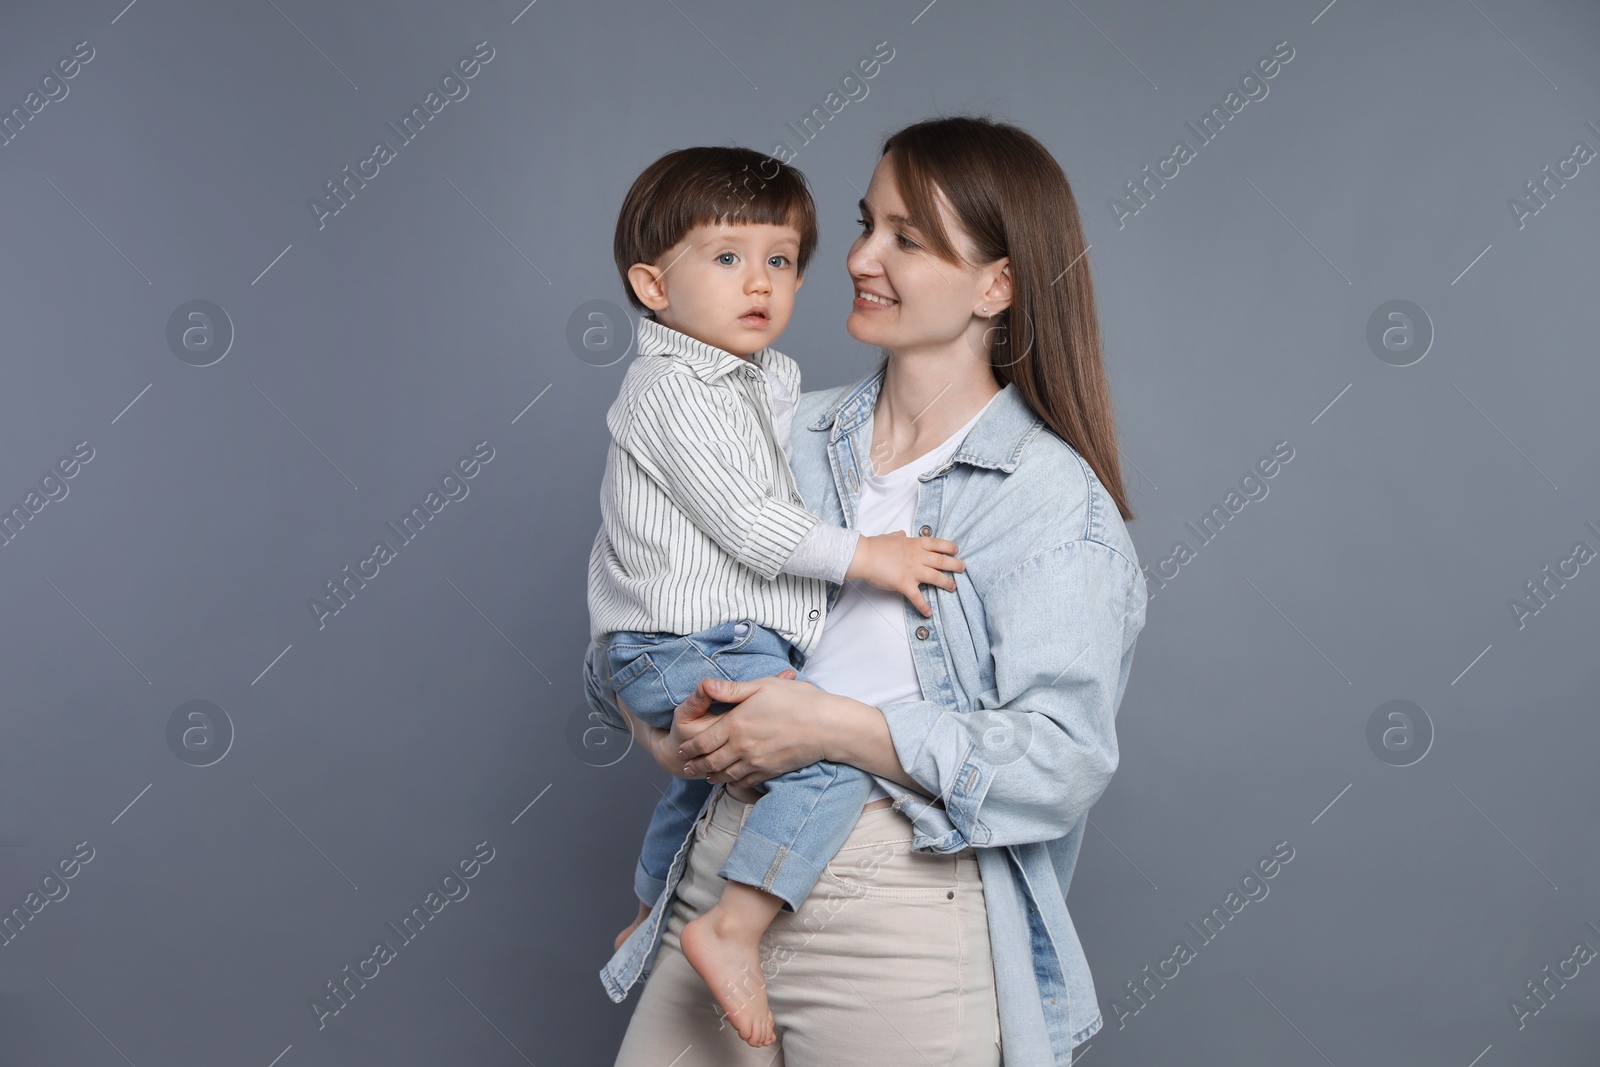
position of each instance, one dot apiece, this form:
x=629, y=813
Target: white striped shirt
x=700, y=515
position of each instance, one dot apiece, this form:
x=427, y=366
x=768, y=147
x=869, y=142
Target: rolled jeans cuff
x=769, y=866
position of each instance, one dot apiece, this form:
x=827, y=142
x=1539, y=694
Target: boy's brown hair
x=708, y=184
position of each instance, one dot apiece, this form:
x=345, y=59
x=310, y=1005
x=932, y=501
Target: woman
x=940, y=932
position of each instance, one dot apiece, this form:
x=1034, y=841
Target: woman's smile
x=866, y=300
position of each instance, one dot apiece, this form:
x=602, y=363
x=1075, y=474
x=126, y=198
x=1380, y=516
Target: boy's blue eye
x=780, y=256
x=721, y=257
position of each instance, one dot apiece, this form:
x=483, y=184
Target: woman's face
x=923, y=302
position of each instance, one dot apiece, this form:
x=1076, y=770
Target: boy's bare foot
x=727, y=954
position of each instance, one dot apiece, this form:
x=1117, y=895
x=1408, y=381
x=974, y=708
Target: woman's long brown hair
x=1012, y=199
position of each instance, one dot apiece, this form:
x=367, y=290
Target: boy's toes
x=760, y=1032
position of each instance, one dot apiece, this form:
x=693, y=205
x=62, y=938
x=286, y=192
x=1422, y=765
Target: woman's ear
x=999, y=293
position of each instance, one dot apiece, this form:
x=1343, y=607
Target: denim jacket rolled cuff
x=1036, y=752
x=937, y=752
x=931, y=828
x=647, y=888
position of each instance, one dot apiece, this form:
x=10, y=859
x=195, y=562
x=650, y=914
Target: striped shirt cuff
x=776, y=532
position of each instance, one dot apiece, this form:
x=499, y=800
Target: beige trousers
x=886, y=962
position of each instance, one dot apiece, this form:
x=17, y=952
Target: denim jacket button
x=922, y=633
x=926, y=530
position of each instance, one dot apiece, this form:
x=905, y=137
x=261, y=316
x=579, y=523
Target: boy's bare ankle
x=742, y=913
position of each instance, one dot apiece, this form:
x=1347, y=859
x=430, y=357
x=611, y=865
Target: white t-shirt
x=864, y=651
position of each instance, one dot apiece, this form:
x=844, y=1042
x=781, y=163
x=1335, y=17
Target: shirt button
x=794, y=498
x=922, y=633
x=815, y=613
x=926, y=530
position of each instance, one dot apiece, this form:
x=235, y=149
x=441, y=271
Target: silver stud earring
x=985, y=308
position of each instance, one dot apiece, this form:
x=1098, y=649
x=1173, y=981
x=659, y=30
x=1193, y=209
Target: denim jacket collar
x=996, y=442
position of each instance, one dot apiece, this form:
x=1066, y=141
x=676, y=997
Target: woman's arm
x=781, y=724
x=792, y=726
x=1038, y=750
x=1028, y=762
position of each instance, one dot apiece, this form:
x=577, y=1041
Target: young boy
x=707, y=563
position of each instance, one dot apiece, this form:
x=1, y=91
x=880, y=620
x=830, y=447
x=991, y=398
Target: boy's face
x=708, y=284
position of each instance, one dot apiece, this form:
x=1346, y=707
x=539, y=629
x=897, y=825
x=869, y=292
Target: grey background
x=433, y=710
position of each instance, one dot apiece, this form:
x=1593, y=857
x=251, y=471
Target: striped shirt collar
x=996, y=442
x=709, y=362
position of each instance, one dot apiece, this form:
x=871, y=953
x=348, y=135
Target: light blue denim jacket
x=1023, y=667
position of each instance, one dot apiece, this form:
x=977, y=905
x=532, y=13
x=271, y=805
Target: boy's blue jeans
x=794, y=830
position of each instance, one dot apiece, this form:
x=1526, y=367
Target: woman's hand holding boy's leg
x=689, y=719
x=662, y=745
